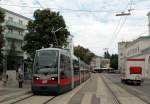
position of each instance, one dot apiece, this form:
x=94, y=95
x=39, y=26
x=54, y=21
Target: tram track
x=116, y=100
x=135, y=93
x=130, y=90
x=21, y=99
x=34, y=99
x=147, y=102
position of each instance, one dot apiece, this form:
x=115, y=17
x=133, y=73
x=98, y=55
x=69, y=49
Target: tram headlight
x=52, y=78
x=36, y=78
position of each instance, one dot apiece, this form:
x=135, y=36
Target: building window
x=20, y=22
x=10, y=30
x=20, y=32
x=10, y=19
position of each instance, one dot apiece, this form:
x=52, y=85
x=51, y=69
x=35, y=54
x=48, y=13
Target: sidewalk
x=7, y=92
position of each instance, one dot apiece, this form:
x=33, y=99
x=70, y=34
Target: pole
x=53, y=32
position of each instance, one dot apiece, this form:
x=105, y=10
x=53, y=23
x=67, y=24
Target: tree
x=107, y=55
x=84, y=54
x=12, y=57
x=1, y=39
x=114, y=61
x=40, y=31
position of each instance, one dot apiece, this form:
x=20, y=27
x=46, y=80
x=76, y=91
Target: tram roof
x=65, y=51
x=50, y=49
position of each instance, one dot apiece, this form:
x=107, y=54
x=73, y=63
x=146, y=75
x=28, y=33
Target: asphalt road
x=99, y=89
x=142, y=91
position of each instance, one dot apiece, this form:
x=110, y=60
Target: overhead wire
x=63, y=9
x=119, y=27
x=37, y=1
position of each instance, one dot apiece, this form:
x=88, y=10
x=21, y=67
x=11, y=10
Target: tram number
x=44, y=81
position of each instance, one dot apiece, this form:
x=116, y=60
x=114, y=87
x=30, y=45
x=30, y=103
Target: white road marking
x=87, y=98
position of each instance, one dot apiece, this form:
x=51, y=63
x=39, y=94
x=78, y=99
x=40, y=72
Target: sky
x=93, y=23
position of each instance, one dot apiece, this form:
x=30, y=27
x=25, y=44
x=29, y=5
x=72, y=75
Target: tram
x=56, y=71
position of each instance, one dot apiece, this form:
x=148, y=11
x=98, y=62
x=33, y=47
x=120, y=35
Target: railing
x=15, y=24
x=13, y=36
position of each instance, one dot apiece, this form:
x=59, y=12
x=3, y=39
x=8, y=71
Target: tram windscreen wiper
x=45, y=67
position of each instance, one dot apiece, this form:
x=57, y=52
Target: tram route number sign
x=44, y=81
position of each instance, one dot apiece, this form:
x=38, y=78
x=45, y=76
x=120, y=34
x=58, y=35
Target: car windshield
x=46, y=62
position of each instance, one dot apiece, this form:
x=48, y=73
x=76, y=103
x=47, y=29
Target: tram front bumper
x=55, y=88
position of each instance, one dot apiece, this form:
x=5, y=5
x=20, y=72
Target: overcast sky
x=93, y=22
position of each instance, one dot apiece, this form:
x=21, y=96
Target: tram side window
x=76, y=67
x=65, y=66
x=62, y=67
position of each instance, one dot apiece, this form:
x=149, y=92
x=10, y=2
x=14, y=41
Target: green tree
x=114, y=61
x=107, y=55
x=12, y=57
x=40, y=31
x=1, y=38
x=84, y=54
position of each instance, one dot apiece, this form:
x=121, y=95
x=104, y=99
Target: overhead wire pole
x=121, y=14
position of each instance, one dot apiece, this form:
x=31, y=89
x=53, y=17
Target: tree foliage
x=114, y=61
x=12, y=57
x=40, y=31
x=107, y=55
x=84, y=54
x=1, y=38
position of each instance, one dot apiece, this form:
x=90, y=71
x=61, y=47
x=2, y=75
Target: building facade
x=70, y=45
x=100, y=63
x=137, y=49
x=15, y=29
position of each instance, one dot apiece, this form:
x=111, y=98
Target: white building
x=100, y=63
x=122, y=55
x=70, y=44
x=138, y=49
x=15, y=29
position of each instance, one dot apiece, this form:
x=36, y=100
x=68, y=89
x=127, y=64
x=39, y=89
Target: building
x=122, y=55
x=70, y=44
x=100, y=64
x=148, y=14
x=15, y=29
x=138, y=49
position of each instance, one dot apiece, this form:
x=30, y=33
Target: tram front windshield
x=46, y=61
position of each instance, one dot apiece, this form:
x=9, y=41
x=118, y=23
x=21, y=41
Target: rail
x=116, y=100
